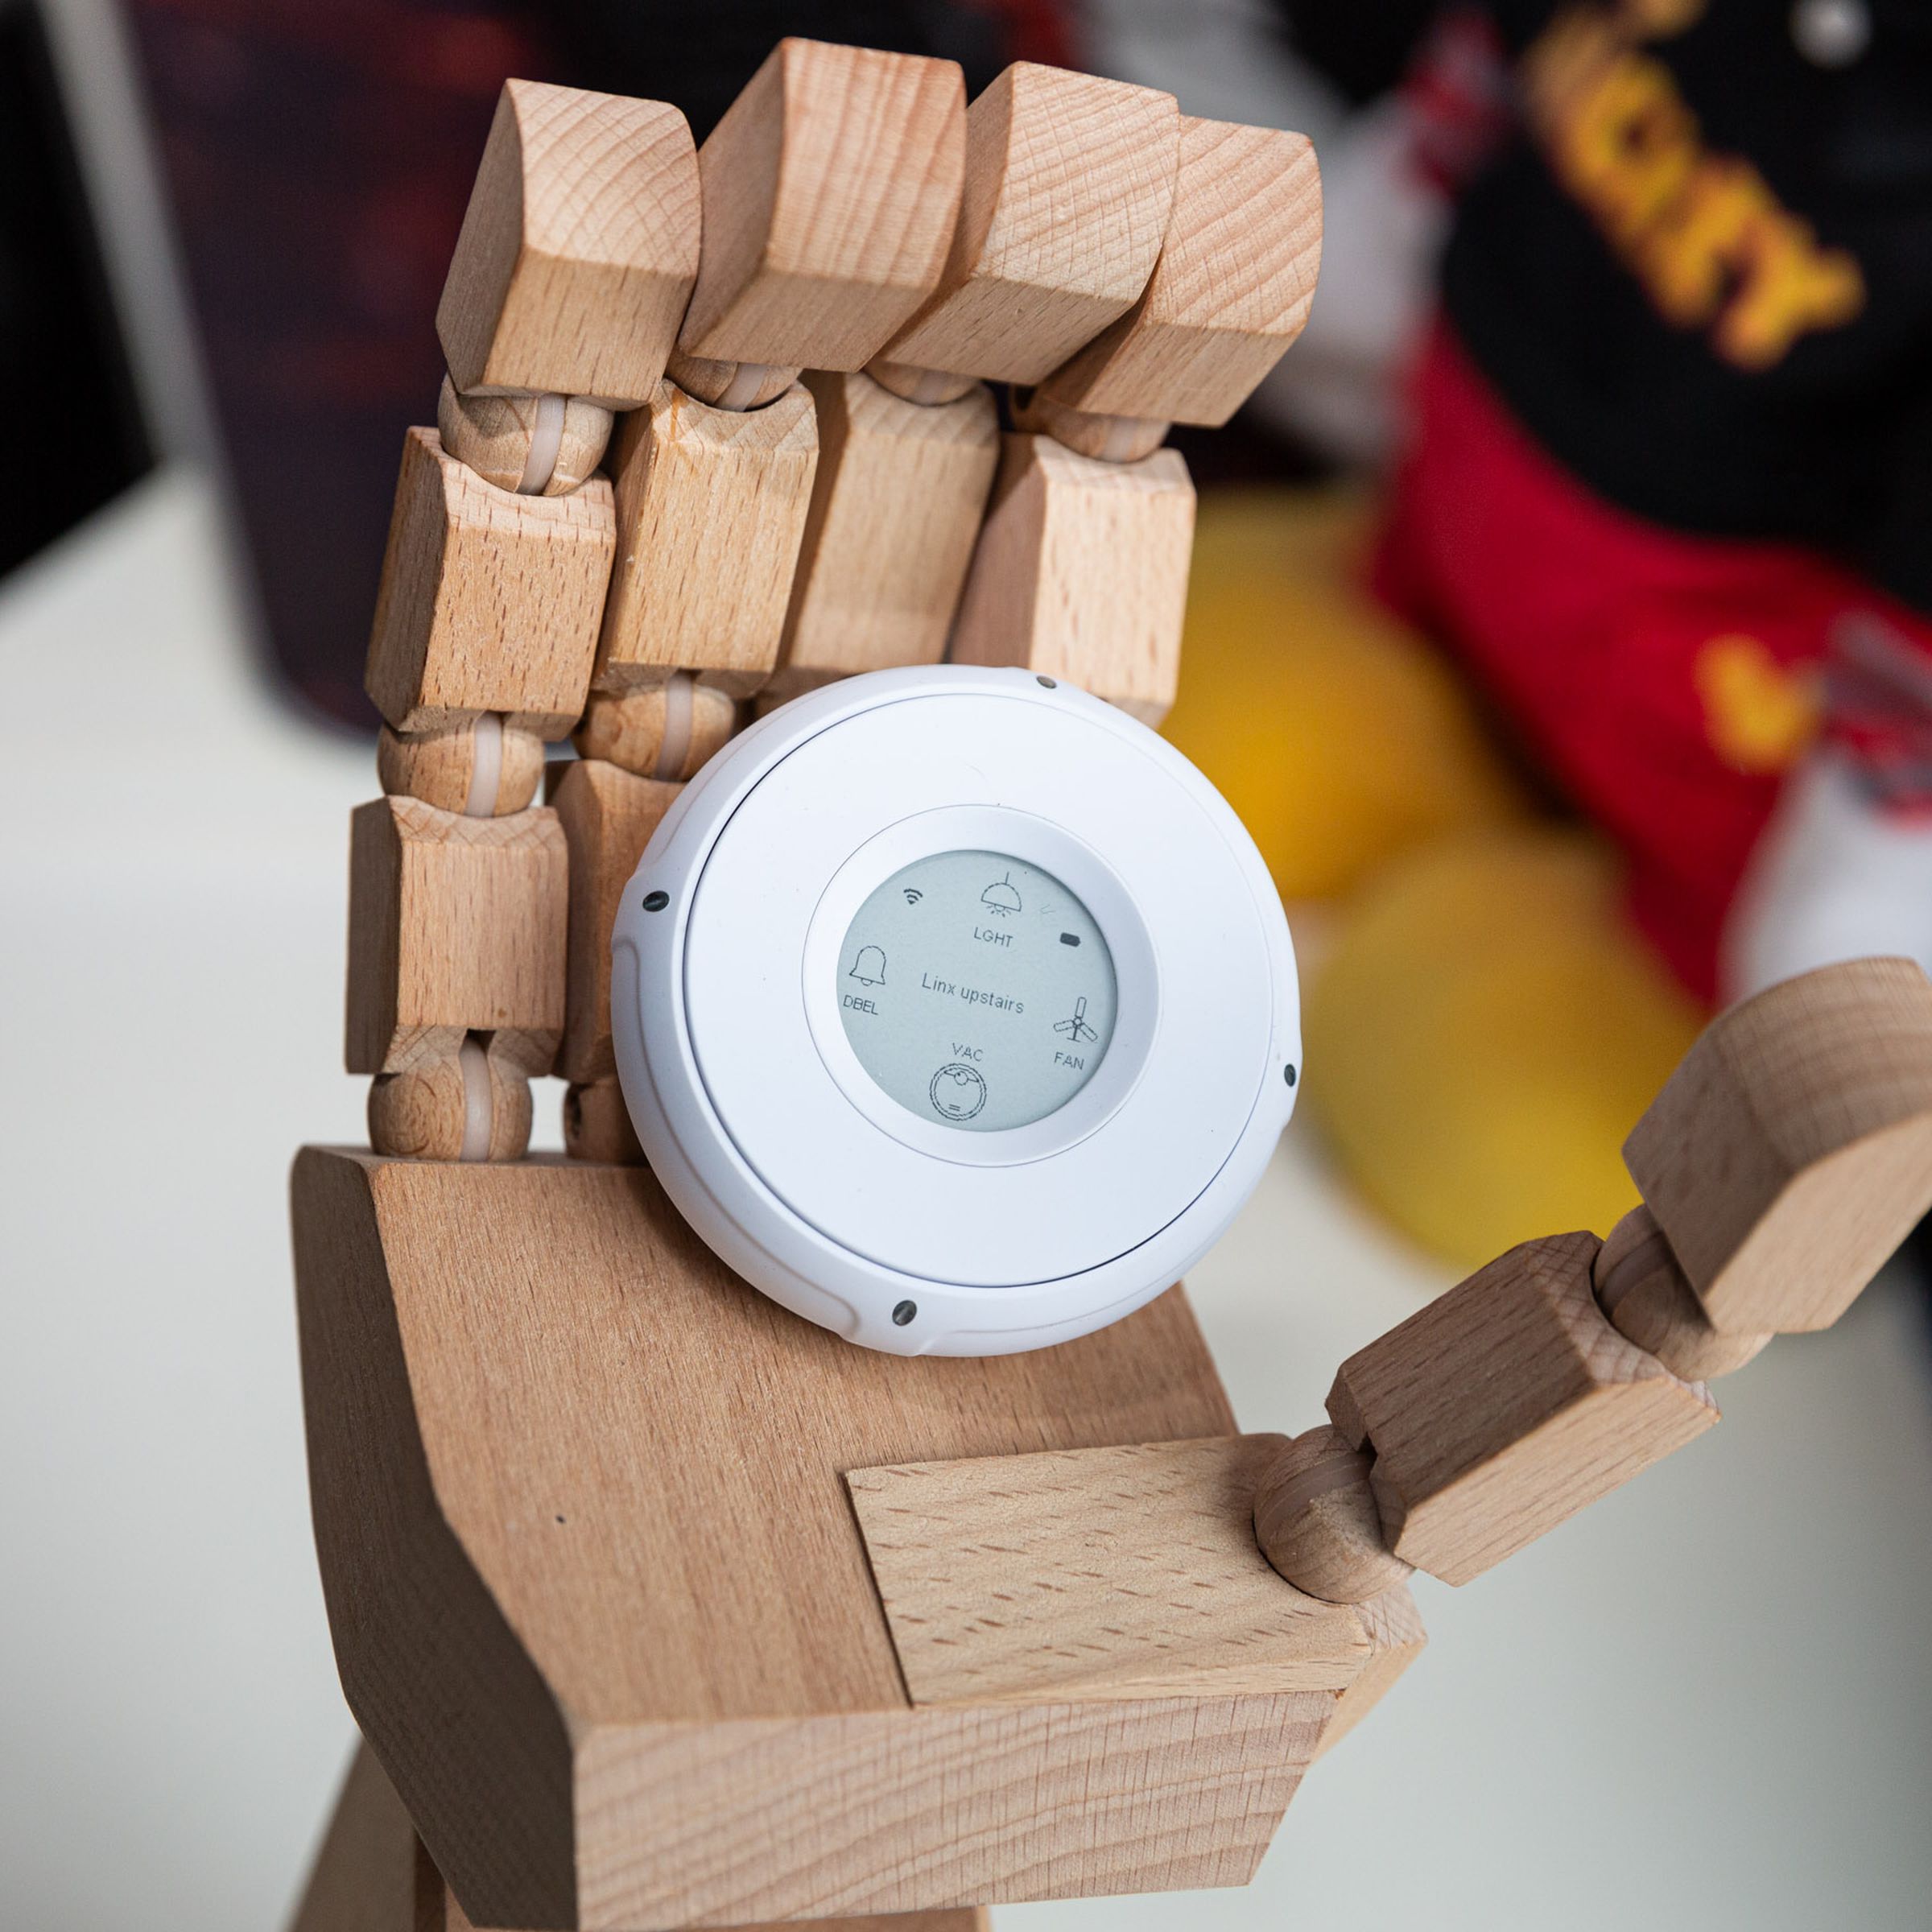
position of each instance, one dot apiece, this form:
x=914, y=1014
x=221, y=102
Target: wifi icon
x=913, y=895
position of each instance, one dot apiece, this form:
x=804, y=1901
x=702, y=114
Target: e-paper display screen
x=977, y=990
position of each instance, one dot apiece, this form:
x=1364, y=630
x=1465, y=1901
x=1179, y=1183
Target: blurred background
x=1559, y=626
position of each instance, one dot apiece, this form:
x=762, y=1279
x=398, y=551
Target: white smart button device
x=954, y=1009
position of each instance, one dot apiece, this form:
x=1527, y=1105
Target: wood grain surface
x=830, y=188
x=456, y=925
x=493, y=436
x=895, y=511
x=373, y=1874
x=1791, y=1151
x=1081, y=573
x=483, y=768
x=666, y=731
x=1068, y=184
x=711, y=507
x=608, y=815
x=1231, y=291
x=579, y=250
x=1094, y=1574
x=490, y=601
x=605, y=1642
x=1504, y=1407
x=1393, y=1627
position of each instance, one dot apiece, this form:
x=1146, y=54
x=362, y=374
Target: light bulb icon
x=869, y=968
x=1001, y=897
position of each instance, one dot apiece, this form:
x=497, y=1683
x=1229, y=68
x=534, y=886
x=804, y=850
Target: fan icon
x=1001, y=897
x=1076, y=1029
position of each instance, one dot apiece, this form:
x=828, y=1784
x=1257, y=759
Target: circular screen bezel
x=1192, y=1044
x=1034, y=841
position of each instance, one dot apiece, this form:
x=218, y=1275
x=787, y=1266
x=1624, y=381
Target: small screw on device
x=1288, y=1073
x=656, y=902
x=1048, y=682
x=904, y=1313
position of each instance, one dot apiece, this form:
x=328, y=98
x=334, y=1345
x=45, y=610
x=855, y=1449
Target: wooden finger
x=1230, y=292
x=578, y=251
x=1069, y=180
x=607, y=815
x=931, y=386
x=1791, y=1151
x=895, y=510
x=1081, y=573
x=830, y=188
x=489, y=601
x=456, y=925
x=1501, y=1410
x=710, y=511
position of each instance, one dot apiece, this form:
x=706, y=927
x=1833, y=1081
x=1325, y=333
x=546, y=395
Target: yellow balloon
x=1484, y=1031
x=1340, y=737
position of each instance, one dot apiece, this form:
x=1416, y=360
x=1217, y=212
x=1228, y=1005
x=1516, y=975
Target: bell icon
x=869, y=968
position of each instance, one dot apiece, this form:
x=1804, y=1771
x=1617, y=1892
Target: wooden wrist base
x=603, y=1611
x=373, y=1874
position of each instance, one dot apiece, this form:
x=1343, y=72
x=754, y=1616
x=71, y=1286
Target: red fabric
x=1589, y=626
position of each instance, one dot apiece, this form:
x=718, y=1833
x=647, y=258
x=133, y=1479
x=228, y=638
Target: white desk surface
x=1707, y=1701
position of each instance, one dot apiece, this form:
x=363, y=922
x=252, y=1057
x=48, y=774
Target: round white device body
x=955, y=1010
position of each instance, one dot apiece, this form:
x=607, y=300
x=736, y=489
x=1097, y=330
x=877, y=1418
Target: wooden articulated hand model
x=657, y=1605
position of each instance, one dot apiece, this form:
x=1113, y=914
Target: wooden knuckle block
x=1232, y=289
x=830, y=189
x=608, y=815
x=653, y=1685
x=456, y=925
x=1069, y=183
x=711, y=510
x=1648, y=1298
x=490, y=601
x=1095, y=1574
x=1502, y=1408
x=895, y=511
x=461, y=770
x=495, y=436
x=579, y=250
x=1081, y=573
x=1791, y=1151
x=664, y=731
